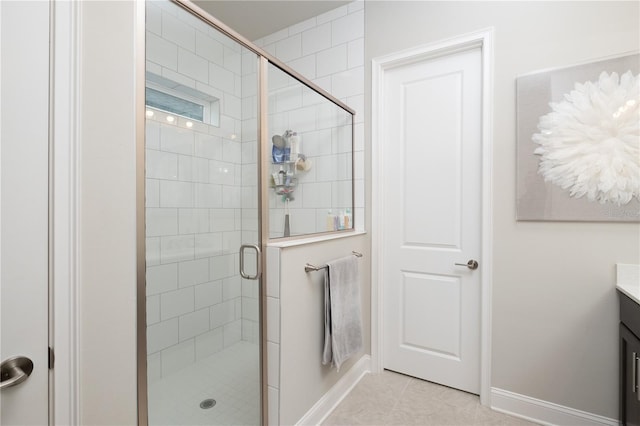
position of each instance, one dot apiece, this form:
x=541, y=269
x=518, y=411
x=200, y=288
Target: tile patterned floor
x=395, y=399
x=231, y=377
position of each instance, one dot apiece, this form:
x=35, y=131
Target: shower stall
x=217, y=187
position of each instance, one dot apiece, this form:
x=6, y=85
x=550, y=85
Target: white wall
x=296, y=377
x=106, y=214
x=554, y=302
x=328, y=50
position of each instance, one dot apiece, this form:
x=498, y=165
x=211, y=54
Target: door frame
x=64, y=255
x=379, y=66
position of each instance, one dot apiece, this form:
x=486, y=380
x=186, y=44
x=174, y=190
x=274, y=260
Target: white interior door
x=432, y=219
x=24, y=90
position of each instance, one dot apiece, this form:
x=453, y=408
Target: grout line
x=403, y=391
x=397, y=401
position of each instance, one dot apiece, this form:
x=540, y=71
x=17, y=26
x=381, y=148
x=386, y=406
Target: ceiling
x=254, y=19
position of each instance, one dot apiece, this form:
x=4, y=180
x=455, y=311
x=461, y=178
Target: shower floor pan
x=230, y=377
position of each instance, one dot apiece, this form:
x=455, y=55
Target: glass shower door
x=201, y=167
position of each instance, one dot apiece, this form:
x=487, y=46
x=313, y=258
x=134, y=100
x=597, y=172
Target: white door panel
x=24, y=90
x=430, y=314
x=432, y=206
x=426, y=125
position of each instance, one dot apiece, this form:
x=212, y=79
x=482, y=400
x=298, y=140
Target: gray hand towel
x=345, y=316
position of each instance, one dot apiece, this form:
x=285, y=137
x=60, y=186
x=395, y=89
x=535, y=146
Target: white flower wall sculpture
x=590, y=142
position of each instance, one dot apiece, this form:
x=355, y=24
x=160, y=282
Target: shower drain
x=207, y=403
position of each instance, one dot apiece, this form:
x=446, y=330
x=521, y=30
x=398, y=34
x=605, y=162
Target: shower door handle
x=258, y=261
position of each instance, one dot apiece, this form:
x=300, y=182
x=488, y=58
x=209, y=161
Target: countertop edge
x=622, y=288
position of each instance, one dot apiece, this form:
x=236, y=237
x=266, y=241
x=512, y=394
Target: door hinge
x=52, y=358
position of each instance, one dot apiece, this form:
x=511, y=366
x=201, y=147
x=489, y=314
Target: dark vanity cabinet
x=629, y=361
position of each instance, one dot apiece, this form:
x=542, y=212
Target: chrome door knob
x=472, y=264
x=14, y=371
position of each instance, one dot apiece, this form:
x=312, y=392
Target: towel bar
x=309, y=267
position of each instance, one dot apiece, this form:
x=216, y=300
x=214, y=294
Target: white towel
x=344, y=322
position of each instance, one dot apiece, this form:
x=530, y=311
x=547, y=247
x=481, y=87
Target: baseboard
x=321, y=409
x=544, y=412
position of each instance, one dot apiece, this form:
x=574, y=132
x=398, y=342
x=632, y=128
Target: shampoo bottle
x=287, y=145
x=294, y=140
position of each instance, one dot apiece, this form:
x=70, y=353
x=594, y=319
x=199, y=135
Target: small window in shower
x=167, y=96
x=174, y=105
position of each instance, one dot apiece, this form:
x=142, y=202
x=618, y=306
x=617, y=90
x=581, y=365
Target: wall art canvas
x=578, y=142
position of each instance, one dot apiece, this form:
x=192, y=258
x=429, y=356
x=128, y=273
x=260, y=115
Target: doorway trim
x=379, y=66
x=64, y=255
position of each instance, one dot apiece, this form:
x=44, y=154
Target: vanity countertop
x=628, y=280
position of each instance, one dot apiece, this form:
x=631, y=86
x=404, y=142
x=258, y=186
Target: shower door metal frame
x=141, y=247
x=264, y=59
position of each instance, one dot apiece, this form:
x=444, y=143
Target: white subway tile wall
x=329, y=50
x=318, y=44
x=200, y=185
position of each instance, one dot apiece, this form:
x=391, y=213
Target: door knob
x=472, y=264
x=14, y=371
